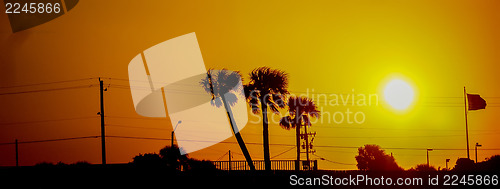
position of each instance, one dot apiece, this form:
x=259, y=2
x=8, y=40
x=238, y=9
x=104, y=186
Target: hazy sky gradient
x=329, y=46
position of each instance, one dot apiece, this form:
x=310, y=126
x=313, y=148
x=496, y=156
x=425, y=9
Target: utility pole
x=475, y=149
x=466, y=125
x=427, y=157
x=447, y=160
x=229, y=160
x=172, y=134
x=428, y=165
x=17, y=154
x=298, y=136
x=172, y=139
x=103, y=139
x=307, y=145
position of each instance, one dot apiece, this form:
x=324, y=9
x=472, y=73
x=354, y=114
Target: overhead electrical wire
x=47, y=83
x=46, y=90
x=321, y=158
x=119, y=86
x=49, y=120
x=49, y=140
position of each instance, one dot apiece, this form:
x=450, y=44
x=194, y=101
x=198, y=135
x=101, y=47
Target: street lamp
x=477, y=145
x=428, y=156
x=447, y=160
x=172, y=137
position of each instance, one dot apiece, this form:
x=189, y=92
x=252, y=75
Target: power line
x=222, y=156
x=146, y=81
x=423, y=136
x=404, y=148
x=329, y=126
x=320, y=136
x=46, y=90
x=135, y=127
x=324, y=159
x=44, y=121
x=309, y=92
x=227, y=142
x=386, y=128
x=47, y=83
x=291, y=145
x=49, y=140
x=59, y=139
x=283, y=152
x=123, y=117
x=133, y=137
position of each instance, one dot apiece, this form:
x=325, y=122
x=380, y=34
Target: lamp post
x=172, y=137
x=428, y=156
x=447, y=160
x=477, y=145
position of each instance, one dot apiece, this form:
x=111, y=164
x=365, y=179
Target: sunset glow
x=390, y=73
x=398, y=94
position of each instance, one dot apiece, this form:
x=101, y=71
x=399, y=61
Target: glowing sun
x=398, y=94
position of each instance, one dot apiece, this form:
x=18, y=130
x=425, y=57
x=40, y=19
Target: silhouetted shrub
x=147, y=160
x=200, y=166
x=81, y=164
x=492, y=163
x=44, y=165
x=423, y=167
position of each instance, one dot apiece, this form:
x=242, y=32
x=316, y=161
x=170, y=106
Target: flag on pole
x=476, y=102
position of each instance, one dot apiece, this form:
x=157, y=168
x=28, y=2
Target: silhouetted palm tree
x=300, y=109
x=267, y=88
x=220, y=84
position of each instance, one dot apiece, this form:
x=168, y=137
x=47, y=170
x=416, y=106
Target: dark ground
x=130, y=176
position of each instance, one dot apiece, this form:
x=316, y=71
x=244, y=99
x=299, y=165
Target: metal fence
x=259, y=165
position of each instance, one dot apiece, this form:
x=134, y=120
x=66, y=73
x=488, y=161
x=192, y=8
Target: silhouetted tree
x=372, y=158
x=172, y=157
x=267, y=89
x=300, y=109
x=220, y=85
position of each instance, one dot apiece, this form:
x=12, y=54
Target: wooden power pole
x=17, y=154
x=103, y=139
x=229, y=160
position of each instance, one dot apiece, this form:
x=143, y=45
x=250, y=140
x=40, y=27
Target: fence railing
x=259, y=165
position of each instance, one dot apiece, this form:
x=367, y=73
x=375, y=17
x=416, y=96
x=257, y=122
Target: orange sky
x=331, y=47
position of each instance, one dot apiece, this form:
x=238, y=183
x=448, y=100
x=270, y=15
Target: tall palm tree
x=267, y=89
x=221, y=84
x=300, y=109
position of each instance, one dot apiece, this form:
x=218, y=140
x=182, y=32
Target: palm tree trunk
x=265, y=135
x=297, y=140
x=237, y=134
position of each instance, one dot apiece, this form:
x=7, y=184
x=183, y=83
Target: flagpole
x=466, y=125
